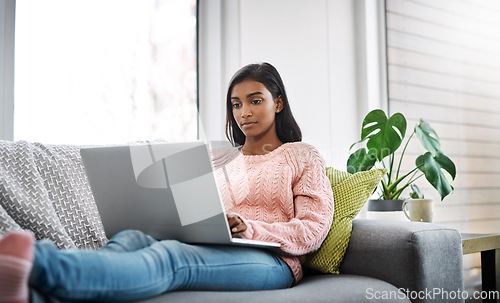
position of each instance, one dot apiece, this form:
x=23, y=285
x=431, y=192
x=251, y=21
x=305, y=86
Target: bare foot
x=16, y=258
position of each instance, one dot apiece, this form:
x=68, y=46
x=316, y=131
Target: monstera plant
x=383, y=137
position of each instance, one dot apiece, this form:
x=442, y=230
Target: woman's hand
x=236, y=224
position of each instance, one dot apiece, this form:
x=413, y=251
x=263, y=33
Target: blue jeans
x=135, y=266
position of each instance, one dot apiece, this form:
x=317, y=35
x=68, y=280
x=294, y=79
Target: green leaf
x=432, y=166
x=416, y=193
x=446, y=164
x=384, y=135
x=428, y=137
x=360, y=160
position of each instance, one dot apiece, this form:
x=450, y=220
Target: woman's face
x=254, y=109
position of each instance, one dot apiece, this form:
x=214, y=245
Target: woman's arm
x=313, y=206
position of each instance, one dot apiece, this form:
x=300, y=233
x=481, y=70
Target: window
x=101, y=72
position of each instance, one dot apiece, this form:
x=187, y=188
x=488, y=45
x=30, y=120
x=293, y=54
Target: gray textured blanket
x=44, y=188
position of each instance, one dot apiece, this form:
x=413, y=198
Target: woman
x=274, y=188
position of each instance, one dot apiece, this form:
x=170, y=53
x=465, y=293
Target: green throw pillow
x=350, y=193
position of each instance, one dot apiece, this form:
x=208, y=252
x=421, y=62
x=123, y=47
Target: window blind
x=444, y=66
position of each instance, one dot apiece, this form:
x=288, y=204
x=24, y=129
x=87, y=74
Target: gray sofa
x=384, y=262
x=44, y=188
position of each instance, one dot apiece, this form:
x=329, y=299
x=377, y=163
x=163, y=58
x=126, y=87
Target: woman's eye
x=256, y=101
x=236, y=105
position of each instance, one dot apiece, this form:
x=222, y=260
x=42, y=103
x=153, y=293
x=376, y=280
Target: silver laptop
x=166, y=190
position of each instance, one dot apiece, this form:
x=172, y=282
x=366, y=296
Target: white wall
x=314, y=46
x=7, y=12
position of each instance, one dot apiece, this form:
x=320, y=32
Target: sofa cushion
x=318, y=288
x=44, y=188
x=350, y=193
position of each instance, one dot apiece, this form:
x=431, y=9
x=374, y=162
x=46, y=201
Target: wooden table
x=489, y=247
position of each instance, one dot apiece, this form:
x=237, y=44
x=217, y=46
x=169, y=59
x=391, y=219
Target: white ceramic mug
x=421, y=210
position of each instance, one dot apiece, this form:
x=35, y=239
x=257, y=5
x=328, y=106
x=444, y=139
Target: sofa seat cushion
x=313, y=288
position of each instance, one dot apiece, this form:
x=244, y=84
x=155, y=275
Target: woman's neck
x=253, y=147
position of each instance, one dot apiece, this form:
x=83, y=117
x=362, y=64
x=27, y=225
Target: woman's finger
x=236, y=224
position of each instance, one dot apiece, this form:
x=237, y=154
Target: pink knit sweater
x=283, y=196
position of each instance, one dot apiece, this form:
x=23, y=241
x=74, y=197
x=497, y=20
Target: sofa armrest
x=423, y=258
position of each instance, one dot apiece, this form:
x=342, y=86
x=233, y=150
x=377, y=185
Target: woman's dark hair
x=286, y=127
